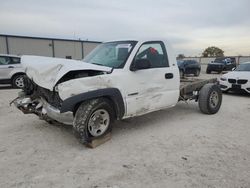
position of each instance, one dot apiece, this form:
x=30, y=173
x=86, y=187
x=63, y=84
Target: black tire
x=219, y=72
x=83, y=116
x=210, y=98
x=197, y=72
x=17, y=81
x=181, y=73
x=208, y=71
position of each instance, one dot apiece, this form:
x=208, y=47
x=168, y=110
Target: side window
x=155, y=52
x=4, y=60
x=15, y=60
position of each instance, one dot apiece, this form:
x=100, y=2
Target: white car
x=11, y=71
x=237, y=80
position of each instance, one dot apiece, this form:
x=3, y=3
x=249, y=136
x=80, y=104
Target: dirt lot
x=178, y=147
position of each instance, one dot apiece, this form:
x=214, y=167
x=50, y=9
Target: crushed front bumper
x=43, y=109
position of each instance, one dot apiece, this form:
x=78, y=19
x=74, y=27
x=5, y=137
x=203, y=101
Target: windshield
x=243, y=67
x=224, y=60
x=180, y=62
x=111, y=54
x=219, y=60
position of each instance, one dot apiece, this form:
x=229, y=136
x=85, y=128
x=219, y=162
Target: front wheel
x=181, y=73
x=93, y=119
x=197, y=72
x=210, y=98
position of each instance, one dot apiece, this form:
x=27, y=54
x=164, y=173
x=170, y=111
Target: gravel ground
x=177, y=147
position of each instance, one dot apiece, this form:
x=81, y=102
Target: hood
x=238, y=75
x=47, y=71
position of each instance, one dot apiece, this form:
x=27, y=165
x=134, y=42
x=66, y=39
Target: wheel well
x=109, y=99
x=16, y=74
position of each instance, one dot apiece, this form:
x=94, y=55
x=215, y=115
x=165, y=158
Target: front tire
x=210, y=98
x=197, y=72
x=93, y=119
x=181, y=73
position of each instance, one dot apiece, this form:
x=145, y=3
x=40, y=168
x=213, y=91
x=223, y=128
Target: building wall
x=88, y=47
x=244, y=59
x=26, y=46
x=3, y=47
x=50, y=47
x=68, y=48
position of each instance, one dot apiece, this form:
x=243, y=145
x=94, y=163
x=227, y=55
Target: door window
x=15, y=60
x=154, y=52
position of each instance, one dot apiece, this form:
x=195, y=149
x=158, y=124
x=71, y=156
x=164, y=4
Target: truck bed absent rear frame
x=190, y=87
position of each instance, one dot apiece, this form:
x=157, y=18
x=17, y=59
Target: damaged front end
x=42, y=102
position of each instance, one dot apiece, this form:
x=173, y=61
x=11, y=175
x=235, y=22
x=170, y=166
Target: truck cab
x=144, y=72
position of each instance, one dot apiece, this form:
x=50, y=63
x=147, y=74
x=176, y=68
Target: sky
x=189, y=25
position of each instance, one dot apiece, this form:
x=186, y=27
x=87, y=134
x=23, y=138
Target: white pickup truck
x=117, y=80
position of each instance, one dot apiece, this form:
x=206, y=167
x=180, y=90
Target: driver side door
x=153, y=88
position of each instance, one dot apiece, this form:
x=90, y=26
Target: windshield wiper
x=98, y=64
x=101, y=65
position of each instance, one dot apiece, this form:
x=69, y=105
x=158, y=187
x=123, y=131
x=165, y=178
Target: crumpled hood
x=47, y=71
x=238, y=75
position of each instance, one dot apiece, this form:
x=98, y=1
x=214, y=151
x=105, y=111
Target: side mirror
x=140, y=64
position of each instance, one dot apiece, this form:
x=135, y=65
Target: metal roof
x=47, y=38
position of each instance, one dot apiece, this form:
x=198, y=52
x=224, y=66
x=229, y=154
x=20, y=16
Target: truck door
x=156, y=87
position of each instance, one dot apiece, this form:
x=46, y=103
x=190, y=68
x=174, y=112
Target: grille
x=35, y=91
x=241, y=81
x=232, y=81
x=51, y=97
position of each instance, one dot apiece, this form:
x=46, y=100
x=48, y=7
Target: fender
x=112, y=93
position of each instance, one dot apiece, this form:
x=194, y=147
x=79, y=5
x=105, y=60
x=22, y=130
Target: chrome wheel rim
x=214, y=99
x=19, y=82
x=98, y=122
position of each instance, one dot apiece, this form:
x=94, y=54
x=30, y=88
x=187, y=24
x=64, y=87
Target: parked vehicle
x=237, y=80
x=189, y=67
x=11, y=71
x=221, y=64
x=117, y=80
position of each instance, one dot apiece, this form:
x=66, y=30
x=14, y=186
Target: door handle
x=169, y=75
x=10, y=67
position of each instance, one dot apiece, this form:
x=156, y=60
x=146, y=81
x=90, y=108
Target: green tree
x=213, y=51
x=181, y=56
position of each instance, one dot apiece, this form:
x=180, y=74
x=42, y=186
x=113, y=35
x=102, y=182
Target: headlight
x=223, y=79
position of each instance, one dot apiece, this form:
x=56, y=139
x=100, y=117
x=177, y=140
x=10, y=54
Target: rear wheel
x=93, y=119
x=210, y=98
x=18, y=81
